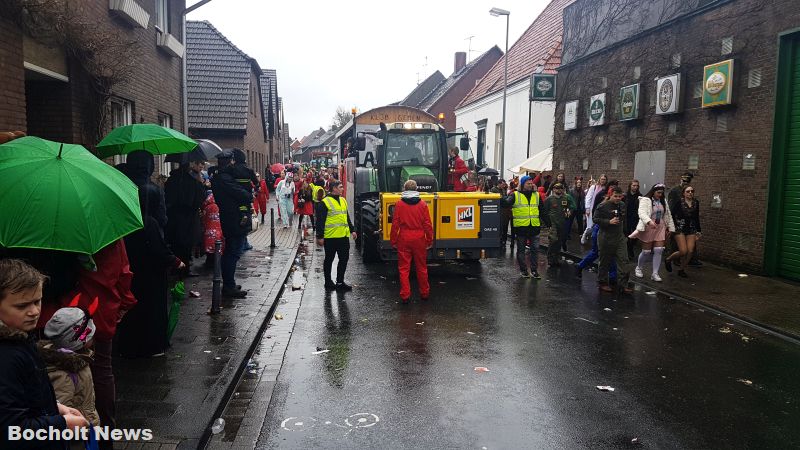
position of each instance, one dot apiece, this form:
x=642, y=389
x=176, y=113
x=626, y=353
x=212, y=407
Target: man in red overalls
x=412, y=236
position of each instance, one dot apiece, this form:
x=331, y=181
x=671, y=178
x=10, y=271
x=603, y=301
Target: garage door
x=789, y=260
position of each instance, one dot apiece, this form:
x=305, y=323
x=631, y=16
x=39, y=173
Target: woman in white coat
x=655, y=224
x=285, y=192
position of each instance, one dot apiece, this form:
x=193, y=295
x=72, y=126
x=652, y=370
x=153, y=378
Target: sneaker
x=668, y=265
x=655, y=277
x=682, y=274
x=536, y=275
x=578, y=272
x=605, y=288
x=343, y=287
x=583, y=239
x=330, y=286
x=638, y=272
x=524, y=274
x=234, y=293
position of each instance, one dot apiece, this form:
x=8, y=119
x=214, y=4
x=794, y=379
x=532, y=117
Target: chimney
x=460, y=62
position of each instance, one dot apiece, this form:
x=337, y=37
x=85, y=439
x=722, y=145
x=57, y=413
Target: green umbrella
x=61, y=197
x=150, y=137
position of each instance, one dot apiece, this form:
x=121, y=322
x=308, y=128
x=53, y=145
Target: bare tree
x=105, y=58
x=341, y=118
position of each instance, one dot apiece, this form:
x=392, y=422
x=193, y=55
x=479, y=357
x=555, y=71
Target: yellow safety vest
x=336, y=223
x=314, y=190
x=524, y=213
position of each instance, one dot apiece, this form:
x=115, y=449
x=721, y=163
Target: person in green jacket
x=557, y=209
x=612, y=241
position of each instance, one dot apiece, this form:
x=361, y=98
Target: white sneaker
x=638, y=272
x=655, y=277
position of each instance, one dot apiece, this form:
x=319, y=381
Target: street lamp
x=502, y=12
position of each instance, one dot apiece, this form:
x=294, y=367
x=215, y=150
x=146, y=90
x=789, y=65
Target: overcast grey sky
x=359, y=53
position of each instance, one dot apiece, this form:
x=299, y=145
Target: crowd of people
x=64, y=315
x=664, y=223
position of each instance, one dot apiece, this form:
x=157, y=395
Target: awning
x=540, y=162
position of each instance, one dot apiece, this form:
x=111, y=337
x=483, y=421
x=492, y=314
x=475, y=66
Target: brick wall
x=155, y=84
x=48, y=109
x=12, y=79
x=733, y=234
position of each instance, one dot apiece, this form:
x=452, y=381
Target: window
x=162, y=15
x=121, y=115
x=164, y=168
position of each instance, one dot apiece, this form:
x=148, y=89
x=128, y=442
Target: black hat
x=225, y=154
x=687, y=176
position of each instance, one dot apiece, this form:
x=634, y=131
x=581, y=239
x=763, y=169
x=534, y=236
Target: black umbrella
x=488, y=172
x=206, y=150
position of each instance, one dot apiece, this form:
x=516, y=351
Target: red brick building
x=116, y=63
x=744, y=151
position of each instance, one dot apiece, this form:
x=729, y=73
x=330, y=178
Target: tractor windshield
x=406, y=149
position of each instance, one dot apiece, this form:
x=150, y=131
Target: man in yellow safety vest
x=524, y=205
x=334, y=230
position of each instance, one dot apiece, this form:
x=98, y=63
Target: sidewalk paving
x=179, y=395
x=770, y=303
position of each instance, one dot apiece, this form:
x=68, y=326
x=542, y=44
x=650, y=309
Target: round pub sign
x=597, y=109
x=716, y=83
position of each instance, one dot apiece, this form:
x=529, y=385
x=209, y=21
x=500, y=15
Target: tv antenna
x=469, y=49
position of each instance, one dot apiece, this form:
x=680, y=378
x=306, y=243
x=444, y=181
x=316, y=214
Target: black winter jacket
x=27, y=399
x=234, y=203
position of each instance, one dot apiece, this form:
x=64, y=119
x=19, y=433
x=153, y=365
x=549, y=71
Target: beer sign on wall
x=543, y=87
x=668, y=94
x=629, y=102
x=718, y=84
x=571, y=115
x=597, y=110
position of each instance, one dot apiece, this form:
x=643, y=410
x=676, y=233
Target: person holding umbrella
x=232, y=199
x=143, y=331
x=184, y=194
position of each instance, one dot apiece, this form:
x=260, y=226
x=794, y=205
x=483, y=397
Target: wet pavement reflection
x=404, y=376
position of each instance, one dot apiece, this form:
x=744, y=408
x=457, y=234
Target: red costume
x=458, y=170
x=110, y=284
x=412, y=234
x=212, y=228
x=260, y=202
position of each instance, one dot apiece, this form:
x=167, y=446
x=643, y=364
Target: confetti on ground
x=278, y=316
x=206, y=351
x=605, y=388
x=471, y=278
x=606, y=309
x=650, y=292
x=481, y=369
x=745, y=382
x=320, y=352
x=743, y=275
x=194, y=294
x=586, y=320
x=745, y=338
x=724, y=330
x=470, y=332
x=420, y=323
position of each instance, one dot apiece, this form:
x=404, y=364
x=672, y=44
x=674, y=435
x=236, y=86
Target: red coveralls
x=260, y=202
x=412, y=234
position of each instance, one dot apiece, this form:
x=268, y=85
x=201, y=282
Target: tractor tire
x=370, y=222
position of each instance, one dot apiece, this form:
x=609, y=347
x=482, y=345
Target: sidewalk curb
x=747, y=321
x=252, y=339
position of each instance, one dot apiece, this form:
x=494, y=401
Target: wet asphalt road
x=402, y=376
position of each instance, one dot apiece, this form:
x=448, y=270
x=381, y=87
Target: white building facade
x=483, y=120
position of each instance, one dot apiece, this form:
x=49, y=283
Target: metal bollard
x=216, y=293
x=272, y=227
